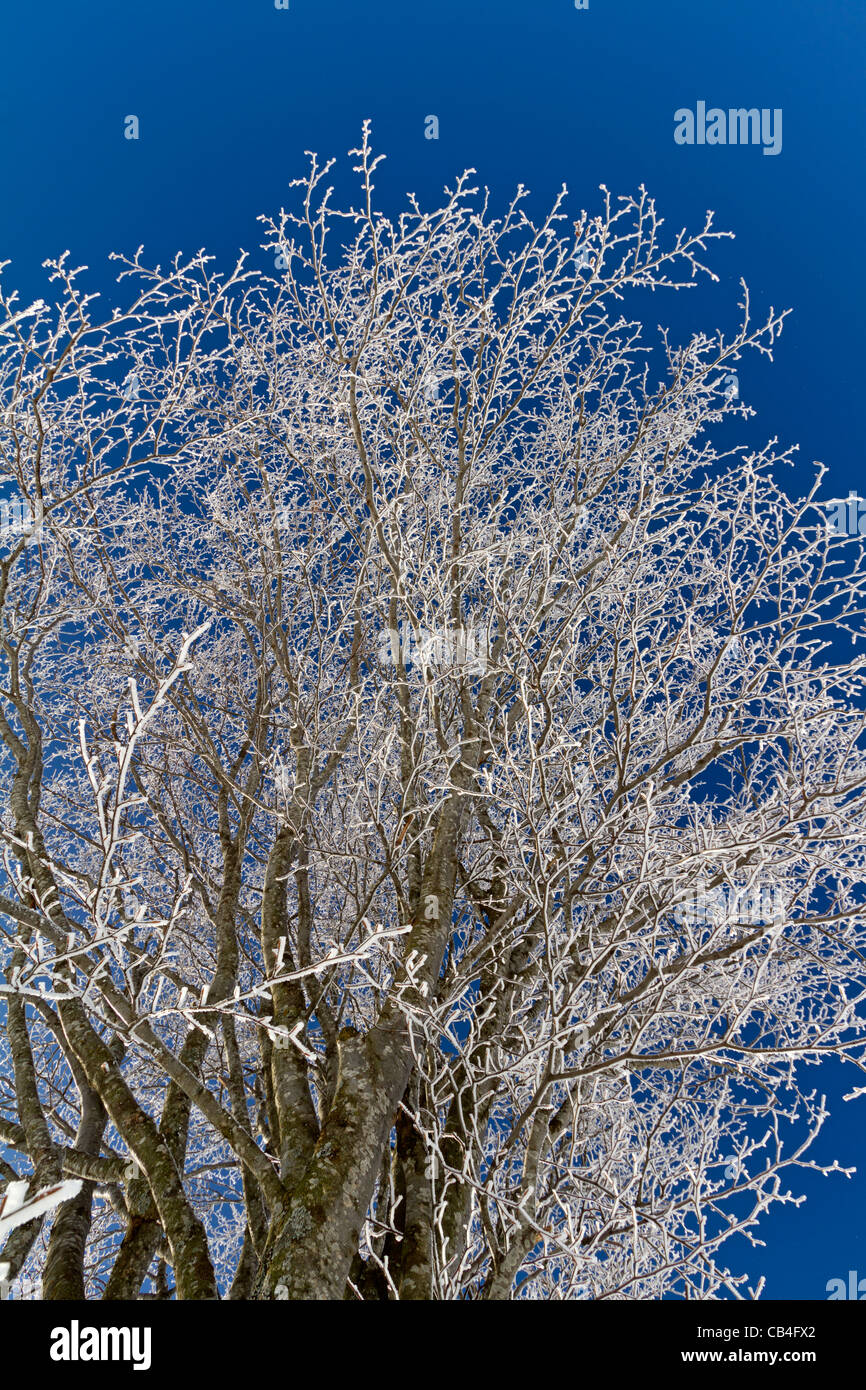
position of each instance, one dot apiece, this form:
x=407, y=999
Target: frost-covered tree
x=433, y=770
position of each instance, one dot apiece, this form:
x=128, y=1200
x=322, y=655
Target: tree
x=434, y=770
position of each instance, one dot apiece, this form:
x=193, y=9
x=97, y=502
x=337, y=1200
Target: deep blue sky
x=229, y=93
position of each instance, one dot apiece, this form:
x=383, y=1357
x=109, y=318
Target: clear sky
x=230, y=93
